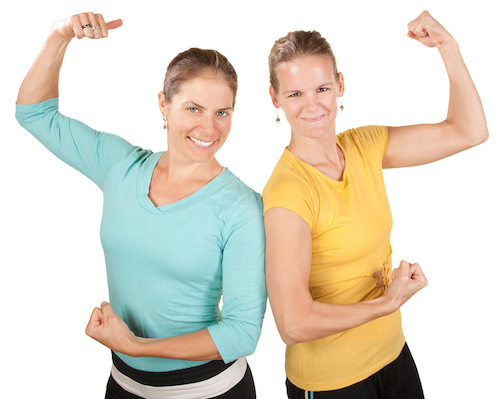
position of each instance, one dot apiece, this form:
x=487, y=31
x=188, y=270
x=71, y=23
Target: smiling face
x=308, y=93
x=198, y=118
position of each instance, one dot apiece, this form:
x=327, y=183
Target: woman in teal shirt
x=178, y=230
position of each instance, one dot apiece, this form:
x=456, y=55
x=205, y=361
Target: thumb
x=411, y=35
x=114, y=24
x=96, y=319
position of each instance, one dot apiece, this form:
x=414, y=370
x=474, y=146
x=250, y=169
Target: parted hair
x=194, y=62
x=296, y=44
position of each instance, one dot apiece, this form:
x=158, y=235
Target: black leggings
x=397, y=380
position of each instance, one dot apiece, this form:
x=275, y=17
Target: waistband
x=200, y=382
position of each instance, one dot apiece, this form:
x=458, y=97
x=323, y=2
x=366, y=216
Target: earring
x=278, y=120
x=342, y=103
x=164, y=122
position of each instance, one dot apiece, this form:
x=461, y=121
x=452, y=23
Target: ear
x=341, y=84
x=274, y=97
x=163, y=104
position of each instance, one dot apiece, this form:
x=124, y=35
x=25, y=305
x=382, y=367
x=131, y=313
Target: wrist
x=135, y=346
x=448, y=46
x=56, y=38
x=388, y=304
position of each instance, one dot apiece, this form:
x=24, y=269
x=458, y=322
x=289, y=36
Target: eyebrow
x=203, y=108
x=298, y=91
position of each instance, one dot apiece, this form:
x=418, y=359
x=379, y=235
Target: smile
x=314, y=119
x=204, y=144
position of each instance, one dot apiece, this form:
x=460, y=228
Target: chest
x=354, y=219
x=182, y=241
x=163, y=191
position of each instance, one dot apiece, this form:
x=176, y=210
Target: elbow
x=470, y=134
x=476, y=136
x=292, y=332
x=480, y=136
x=244, y=341
x=484, y=136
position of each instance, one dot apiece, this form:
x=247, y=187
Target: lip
x=202, y=147
x=313, y=120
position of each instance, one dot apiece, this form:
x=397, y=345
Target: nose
x=311, y=103
x=209, y=124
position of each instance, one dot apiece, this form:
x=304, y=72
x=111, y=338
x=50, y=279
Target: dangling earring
x=278, y=120
x=164, y=122
x=342, y=103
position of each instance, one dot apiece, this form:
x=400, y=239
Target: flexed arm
x=465, y=123
x=42, y=81
x=298, y=316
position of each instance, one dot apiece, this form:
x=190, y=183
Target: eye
x=222, y=113
x=294, y=95
x=193, y=109
x=323, y=89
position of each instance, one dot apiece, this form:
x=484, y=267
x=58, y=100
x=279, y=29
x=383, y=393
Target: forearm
x=42, y=80
x=465, y=110
x=195, y=346
x=320, y=320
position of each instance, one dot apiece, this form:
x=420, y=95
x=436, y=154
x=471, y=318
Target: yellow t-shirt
x=350, y=223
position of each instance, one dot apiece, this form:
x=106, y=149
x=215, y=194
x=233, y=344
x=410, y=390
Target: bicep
x=288, y=265
x=421, y=144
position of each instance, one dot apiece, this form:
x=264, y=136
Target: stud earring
x=278, y=120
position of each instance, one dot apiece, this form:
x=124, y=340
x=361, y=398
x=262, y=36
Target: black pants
x=397, y=380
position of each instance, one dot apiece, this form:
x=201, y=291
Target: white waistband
x=217, y=385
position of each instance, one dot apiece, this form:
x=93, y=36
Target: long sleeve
x=243, y=282
x=87, y=150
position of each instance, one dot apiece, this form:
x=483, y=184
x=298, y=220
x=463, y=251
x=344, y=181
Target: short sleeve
x=374, y=135
x=289, y=191
x=87, y=150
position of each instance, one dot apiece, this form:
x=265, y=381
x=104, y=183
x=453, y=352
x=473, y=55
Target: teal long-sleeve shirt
x=167, y=266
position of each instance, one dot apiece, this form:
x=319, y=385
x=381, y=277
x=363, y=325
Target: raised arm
x=465, y=123
x=42, y=81
x=298, y=317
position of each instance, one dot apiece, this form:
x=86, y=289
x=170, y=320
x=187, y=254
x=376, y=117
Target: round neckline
x=144, y=182
x=344, y=172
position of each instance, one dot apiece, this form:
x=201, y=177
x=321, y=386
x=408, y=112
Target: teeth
x=202, y=143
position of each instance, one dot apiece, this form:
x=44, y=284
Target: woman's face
x=308, y=93
x=198, y=118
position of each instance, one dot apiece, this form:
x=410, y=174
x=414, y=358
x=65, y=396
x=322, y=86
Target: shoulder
x=283, y=184
x=375, y=136
x=288, y=177
x=235, y=194
x=290, y=187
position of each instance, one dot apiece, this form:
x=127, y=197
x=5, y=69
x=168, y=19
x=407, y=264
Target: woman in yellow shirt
x=330, y=282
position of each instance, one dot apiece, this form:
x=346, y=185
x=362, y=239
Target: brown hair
x=195, y=62
x=296, y=44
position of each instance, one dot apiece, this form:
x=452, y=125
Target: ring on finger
x=86, y=26
x=95, y=27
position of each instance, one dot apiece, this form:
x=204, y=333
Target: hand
x=407, y=280
x=72, y=27
x=106, y=327
x=428, y=31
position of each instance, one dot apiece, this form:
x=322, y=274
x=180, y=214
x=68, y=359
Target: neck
x=316, y=151
x=176, y=169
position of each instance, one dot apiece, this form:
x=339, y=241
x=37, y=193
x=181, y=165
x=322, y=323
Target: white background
x=446, y=214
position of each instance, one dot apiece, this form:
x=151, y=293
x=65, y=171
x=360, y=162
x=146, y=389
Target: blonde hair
x=296, y=44
x=194, y=62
